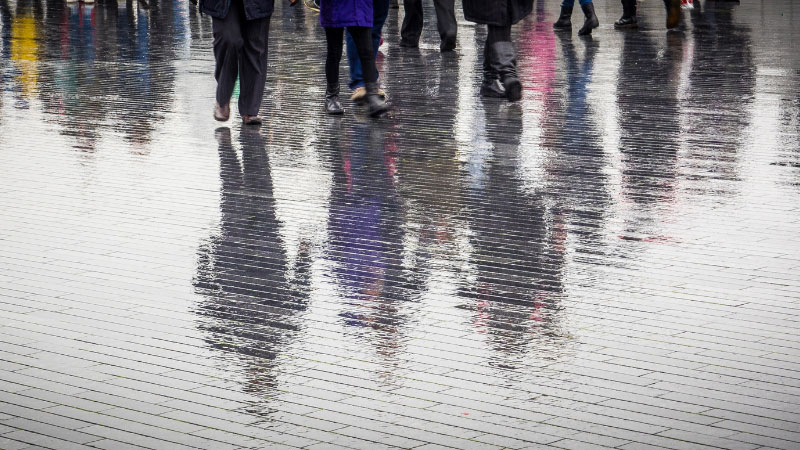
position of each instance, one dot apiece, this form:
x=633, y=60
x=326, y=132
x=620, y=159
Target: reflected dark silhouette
x=722, y=73
x=649, y=122
x=427, y=165
x=577, y=172
x=518, y=252
x=253, y=299
x=366, y=242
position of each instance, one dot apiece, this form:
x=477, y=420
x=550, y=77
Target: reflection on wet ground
x=612, y=262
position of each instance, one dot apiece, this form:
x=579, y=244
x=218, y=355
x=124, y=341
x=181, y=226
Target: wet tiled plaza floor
x=613, y=262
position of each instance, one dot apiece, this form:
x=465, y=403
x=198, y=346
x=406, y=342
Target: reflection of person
x=720, y=79
x=648, y=119
x=251, y=304
x=518, y=249
x=565, y=18
x=578, y=171
x=499, y=56
x=357, y=17
x=241, y=34
x=366, y=239
x=445, y=21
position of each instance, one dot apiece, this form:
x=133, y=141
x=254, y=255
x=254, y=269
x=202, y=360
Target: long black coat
x=497, y=12
x=253, y=9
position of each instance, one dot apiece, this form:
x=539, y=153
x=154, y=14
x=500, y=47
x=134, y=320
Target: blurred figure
x=564, y=19
x=628, y=19
x=499, y=57
x=253, y=299
x=357, y=17
x=445, y=22
x=241, y=35
x=380, y=10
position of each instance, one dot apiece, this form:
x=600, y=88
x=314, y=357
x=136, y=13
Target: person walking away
x=411, y=29
x=356, y=16
x=628, y=19
x=564, y=21
x=499, y=57
x=241, y=33
x=380, y=10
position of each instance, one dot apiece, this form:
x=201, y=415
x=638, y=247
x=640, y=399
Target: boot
x=673, y=13
x=504, y=62
x=564, y=20
x=626, y=22
x=590, y=22
x=376, y=106
x=332, y=104
x=491, y=85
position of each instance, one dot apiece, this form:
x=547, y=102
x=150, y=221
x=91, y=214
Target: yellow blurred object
x=25, y=52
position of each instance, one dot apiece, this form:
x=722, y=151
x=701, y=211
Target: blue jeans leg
x=380, y=10
x=571, y=3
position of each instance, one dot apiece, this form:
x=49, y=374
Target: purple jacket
x=345, y=13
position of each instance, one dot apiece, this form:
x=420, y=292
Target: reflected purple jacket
x=345, y=13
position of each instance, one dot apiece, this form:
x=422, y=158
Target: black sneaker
x=626, y=22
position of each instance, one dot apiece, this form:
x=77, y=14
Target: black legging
x=362, y=36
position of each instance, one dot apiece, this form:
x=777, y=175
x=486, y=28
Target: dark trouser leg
x=498, y=34
x=380, y=10
x=504, y=60
x=334, y=38
x=628, y=8
x=362, y=37
x=446, y=23
x=228, y=43
x=253, y=65
x=412, y=23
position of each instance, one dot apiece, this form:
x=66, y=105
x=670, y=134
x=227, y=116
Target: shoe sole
x=627, y=26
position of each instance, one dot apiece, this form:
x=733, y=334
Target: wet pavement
x=613, y=262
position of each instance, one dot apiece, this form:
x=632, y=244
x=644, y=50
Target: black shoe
x=408, y=44
x=376, y=106
x=493, y=88
x=491, y=85
x=564, y=20
x=626, y=22
x=332, y=104
x=448, y=44
x=504, y=63
x=591, y=21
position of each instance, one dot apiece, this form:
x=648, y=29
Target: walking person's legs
x=253, y=68
x=334, y=38
x=446, y=23
x=411, y=29
x=228, y=43
x=380, y=10
x=565, y=17
x=628, y=19
x=504, y=60
x=590, y=21
x=363, y=41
